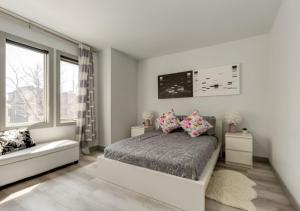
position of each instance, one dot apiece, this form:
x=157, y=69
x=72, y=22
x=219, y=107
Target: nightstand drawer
x=244, y=158
x=239, y=144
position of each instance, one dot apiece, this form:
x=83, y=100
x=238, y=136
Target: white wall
x=123, y=95
x=251, y=53
x=118, y=100
x=20, y=29
x=284, y=78
x=104, y=98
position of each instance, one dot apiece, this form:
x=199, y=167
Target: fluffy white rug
x=232, y=188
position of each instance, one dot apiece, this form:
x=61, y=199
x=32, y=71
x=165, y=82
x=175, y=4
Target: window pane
x=68, y=91
x=25, y=90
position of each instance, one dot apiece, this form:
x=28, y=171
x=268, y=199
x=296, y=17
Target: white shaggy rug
x=233, y=189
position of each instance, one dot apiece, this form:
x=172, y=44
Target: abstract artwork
x=176, y=85
x=223, y=80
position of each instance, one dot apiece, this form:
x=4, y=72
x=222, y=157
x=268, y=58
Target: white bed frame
x=176, y=191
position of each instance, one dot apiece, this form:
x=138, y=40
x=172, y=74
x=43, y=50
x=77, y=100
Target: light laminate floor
x=76, y=188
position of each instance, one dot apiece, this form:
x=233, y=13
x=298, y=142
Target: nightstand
x=239, y=149
x=140, y=130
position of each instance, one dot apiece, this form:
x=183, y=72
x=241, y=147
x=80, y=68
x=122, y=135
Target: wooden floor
x=77, y=187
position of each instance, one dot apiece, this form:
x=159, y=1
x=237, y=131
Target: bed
x=175, y=153
x=178, y=177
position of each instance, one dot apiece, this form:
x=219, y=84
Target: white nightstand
x=140, y=130
x=239, y=149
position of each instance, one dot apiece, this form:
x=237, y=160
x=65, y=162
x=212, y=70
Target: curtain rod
x=41, y=27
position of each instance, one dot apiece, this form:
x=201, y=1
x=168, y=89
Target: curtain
x=86, y=119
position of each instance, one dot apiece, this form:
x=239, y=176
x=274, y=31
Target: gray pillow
x=212, y=120
x=181, y=117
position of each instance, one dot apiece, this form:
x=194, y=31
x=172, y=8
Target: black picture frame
x=175, y=85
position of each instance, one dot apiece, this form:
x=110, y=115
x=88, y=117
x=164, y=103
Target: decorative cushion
x=195, y=125
x=168, y=122
x=211, y=120
x=14, y=140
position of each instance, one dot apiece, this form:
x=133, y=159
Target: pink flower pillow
x=168, y=122
x=195, y=125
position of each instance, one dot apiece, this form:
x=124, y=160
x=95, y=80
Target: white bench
x=38, y=159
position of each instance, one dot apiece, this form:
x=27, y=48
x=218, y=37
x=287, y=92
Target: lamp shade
x=148, y=115
x=233, y=118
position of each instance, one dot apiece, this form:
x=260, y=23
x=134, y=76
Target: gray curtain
x=86, y=121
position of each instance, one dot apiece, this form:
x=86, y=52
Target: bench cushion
x=38, y=150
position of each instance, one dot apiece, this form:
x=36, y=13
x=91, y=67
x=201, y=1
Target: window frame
x=48, y=81
x=59, y=55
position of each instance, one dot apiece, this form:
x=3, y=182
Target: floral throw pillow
x=168, y=122
x=195, y=125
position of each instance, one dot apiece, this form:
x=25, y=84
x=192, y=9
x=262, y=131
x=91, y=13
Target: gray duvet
x=174, y=153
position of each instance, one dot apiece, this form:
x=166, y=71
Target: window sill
x=29, y=126
x=65, y=123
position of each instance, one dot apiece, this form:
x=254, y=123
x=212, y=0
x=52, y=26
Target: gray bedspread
x=174, y=153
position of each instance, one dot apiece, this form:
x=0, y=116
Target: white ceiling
x=147, y=28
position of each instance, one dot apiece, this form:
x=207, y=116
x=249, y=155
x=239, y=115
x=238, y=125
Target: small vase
x=148, y=123
x=232, y=128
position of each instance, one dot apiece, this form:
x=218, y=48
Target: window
x=68, y=88
x=25, y=84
